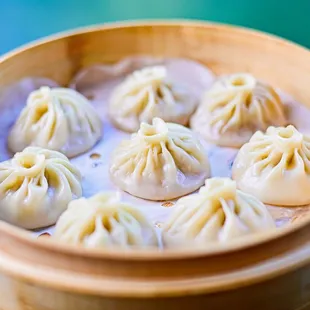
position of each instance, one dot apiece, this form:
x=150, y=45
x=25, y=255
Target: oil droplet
x=90, y=97
x=44, y=235
x=158, y=224
x=168, y=204
x=95, y=156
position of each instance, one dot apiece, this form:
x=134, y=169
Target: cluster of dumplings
x=161, y=160
x=38, y=183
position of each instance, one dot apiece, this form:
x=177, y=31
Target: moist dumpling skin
x=104, y=221
x=161, y=161
x=275, y=167
x=234, y=108
x=36, y=186
x=146, y=94
x=218, y=213
x=59, y=119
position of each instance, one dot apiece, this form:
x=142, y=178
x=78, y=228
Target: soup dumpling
x=161, y=161
x=275, y=166
x=146, y=94
x=218, y=213
x=36, y=186
x=59, y=119
x=103, y=221
x=236, y=107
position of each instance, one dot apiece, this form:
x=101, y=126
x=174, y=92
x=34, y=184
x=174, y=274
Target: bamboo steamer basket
x=270, y=272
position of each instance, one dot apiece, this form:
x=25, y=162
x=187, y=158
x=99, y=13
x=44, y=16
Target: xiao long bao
x=36, y=186
x=58, y=119
x=146, y=94
x=236, y=107
x=218, y=213
x=275, y=166
x=161, y=161
x=103, y=221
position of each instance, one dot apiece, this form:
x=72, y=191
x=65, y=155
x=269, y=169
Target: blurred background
x=22, y=21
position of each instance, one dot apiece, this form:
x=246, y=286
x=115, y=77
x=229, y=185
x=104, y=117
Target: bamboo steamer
x=270, y=272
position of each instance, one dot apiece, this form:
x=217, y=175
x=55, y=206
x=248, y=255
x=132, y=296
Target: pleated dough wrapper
x=236, y=107
x=36, y=186
x=218, y=213
x=104, y=221
x=275, y=166
x=162, y=161
x=58, y=119
x=146, y=94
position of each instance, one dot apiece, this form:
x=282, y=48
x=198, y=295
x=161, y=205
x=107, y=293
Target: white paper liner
x=97, y=82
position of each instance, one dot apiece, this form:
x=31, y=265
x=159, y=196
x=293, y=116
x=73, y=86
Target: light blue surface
x=22, y=21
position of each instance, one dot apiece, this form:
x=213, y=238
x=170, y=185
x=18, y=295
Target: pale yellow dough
x=58, y=119
x=218, y=213
x=36, y=186
x=275, y=166
x=103, y=221
x=234, y=108
x=162, y=161
x=146, y=94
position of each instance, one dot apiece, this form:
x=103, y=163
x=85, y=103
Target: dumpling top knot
x=44, y=95
x=219, y=188
x=279, y=145
x=286, y=139
x=33, y=161
x=29, y=162
x=240, y=82
x=149, y=93
x=149, y=76
x=235, y=107
x=58, y=119
x=156, y=132
x=160, y=131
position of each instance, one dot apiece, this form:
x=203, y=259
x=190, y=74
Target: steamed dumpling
x=234, y=108
x=146, y=94
x=162, y=161
x=275, y=166
x=58, y=119
x=103, y=221
x=218, y=213
x=36, y=186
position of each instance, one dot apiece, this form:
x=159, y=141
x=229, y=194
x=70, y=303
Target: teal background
x=22, y=21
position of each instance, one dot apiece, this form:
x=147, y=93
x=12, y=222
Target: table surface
x=22, y=21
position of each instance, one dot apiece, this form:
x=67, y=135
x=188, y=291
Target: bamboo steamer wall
x=273, y=295
x=274, y=274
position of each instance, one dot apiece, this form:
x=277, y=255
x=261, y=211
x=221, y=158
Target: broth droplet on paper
x=44, y=235
x=168, y=204
x=95, y=156
x=90, y=97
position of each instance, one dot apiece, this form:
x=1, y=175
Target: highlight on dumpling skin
x=275, y=166
x=36, y=186
x=103, y=221
x=161, y=161
x=146, y=94
x=236, y=107
x=218, y=213
x=59, y=119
